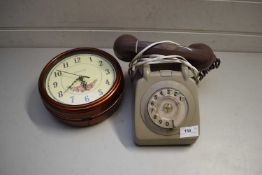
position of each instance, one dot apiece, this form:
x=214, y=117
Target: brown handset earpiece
x=199, y=55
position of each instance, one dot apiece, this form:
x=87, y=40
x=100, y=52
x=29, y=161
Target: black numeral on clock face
x=58, y=73
x=60, y=94
x=100, y=92
x=107, y=71
x=87, y=98
x=107, y=82
x=100, y=63
x=72, y=99
x=77, y=59
x=55, y=84
x=65, y=65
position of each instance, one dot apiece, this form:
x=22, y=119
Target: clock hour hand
x=74, y=74
x=83, y=82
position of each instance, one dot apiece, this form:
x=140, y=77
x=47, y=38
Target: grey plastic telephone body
x=148, y=129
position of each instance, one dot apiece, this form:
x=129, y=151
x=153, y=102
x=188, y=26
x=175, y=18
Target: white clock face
x=80, y=79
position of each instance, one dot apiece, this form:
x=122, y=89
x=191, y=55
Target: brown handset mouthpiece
x=199, y=55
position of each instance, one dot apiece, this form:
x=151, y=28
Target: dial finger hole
x=182, y=98
x=155, y=116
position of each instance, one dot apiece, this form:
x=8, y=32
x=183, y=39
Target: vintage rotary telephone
x=165, y=75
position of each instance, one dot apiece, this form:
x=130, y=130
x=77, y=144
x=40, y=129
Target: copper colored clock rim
x=92, y=121
x=113, y=93
x=84, y=114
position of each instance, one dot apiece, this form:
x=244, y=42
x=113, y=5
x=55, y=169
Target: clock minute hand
x=74, y=74
x=72, y=84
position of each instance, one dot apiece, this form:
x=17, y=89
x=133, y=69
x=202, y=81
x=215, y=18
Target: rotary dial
x=167, y=108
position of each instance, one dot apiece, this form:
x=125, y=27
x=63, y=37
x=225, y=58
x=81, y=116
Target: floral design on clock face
x=80, y=79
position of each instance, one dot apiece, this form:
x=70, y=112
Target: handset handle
x=199, y=55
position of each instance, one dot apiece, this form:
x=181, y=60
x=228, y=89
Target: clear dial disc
x=167, y=108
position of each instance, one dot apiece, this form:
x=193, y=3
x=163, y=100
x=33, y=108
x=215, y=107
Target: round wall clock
x=82, y=86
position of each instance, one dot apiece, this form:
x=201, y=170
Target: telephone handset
x=200, y=55
x=165, y=75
